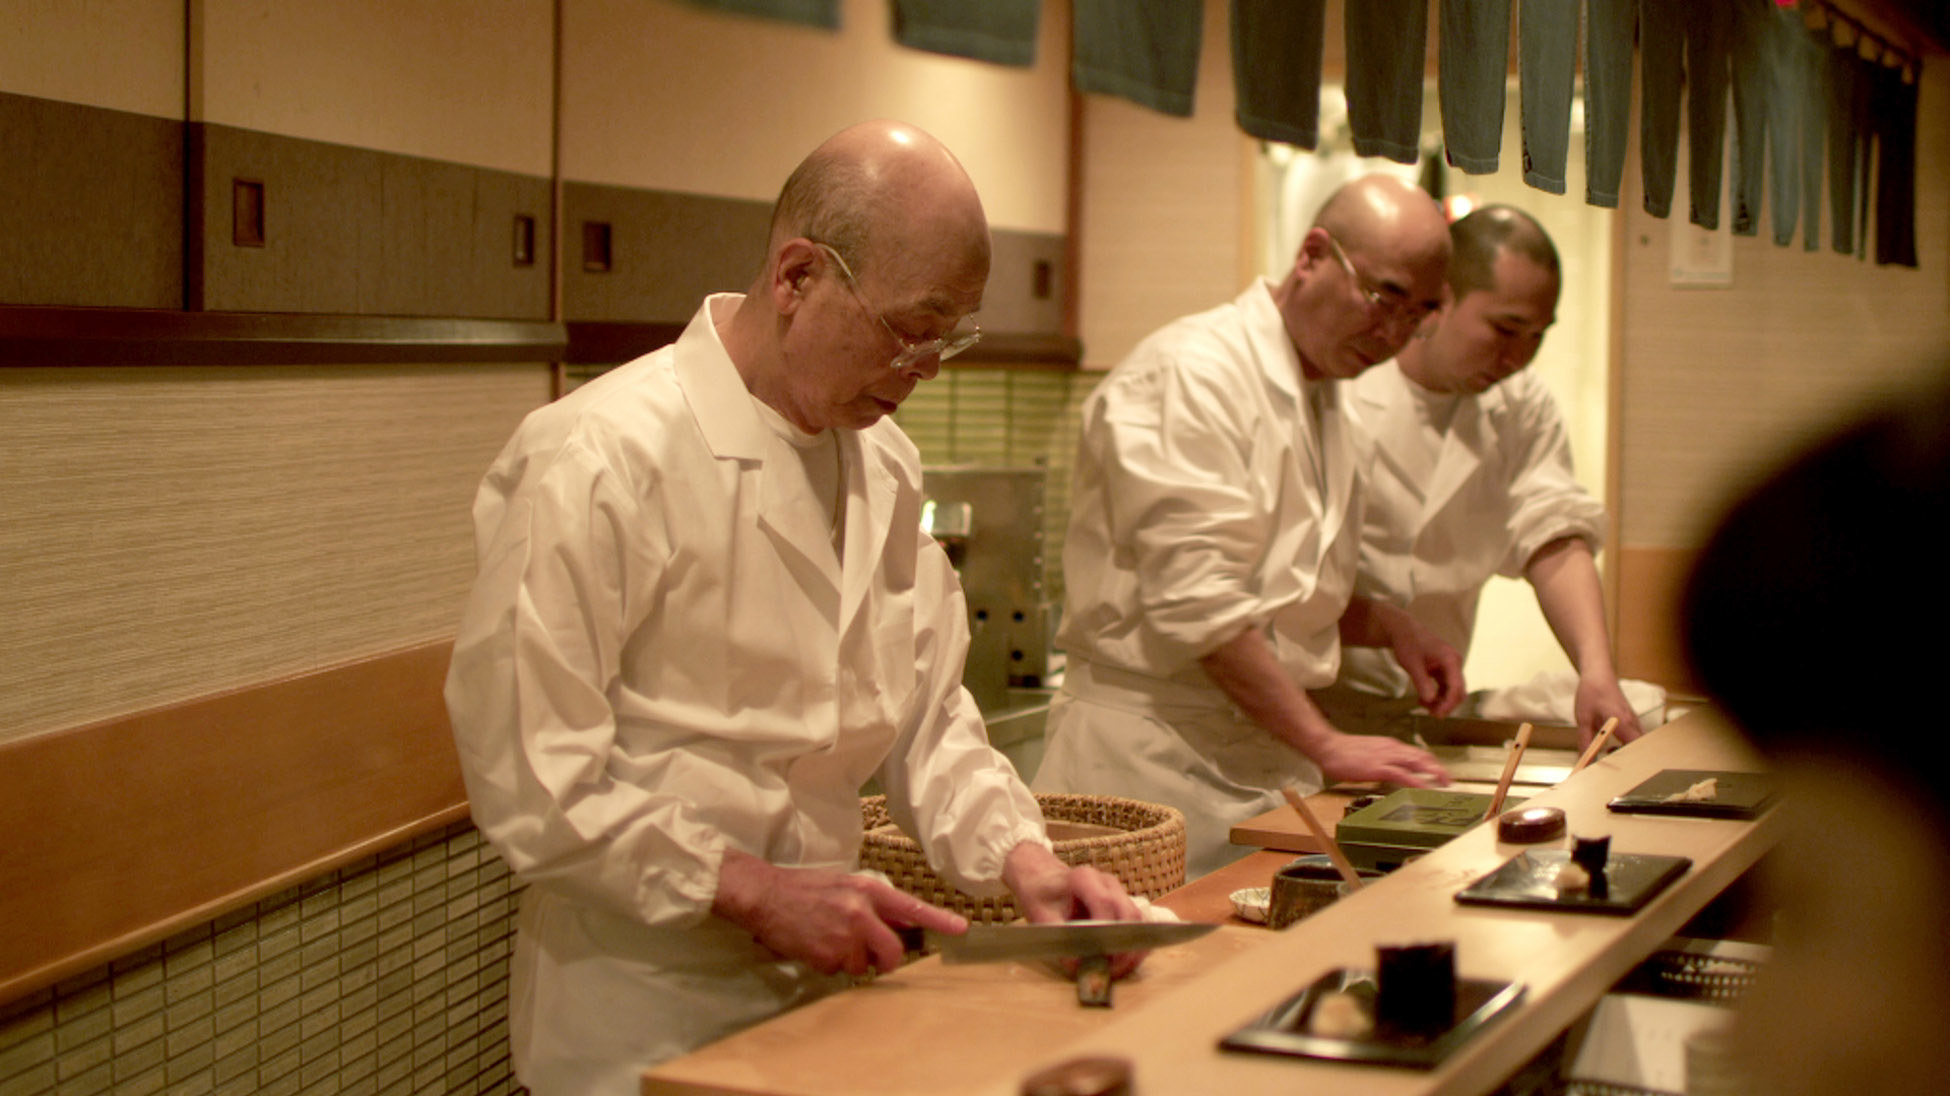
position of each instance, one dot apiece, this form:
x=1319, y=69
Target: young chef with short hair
x=1472, y=472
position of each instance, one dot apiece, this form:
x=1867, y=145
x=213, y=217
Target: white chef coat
x=663, y=658
x=1448, y=508
x=1216, y=490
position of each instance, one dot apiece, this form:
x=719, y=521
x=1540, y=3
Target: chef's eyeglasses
x=1387, y=305
x=954, y=342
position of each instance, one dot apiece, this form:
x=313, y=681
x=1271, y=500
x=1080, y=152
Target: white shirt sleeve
x=1180, y=485
x=566, y=576
x=945, y=784
x=1546, y=501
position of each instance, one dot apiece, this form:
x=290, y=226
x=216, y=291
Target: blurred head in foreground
x=1814, y=618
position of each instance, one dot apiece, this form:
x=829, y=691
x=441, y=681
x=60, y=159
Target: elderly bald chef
x=706, y=614
x=1214, y=531
x=1472, y=475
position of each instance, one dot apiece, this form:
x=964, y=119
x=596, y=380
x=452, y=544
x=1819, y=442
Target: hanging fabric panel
x=1684, y=48
x=1849, y=125
x=1894, y=103
x=1547, y=47
x=1755, y=120
x=1147, y=53
x=1473, y=47
x=1276, y=51
x=1609, y=28
x=999, y=31
x=824, y=14
x=1387, y=43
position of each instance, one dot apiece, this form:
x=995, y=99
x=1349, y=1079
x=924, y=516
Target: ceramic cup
x=1305, y=885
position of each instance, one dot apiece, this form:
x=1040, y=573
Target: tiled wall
x=1006, y=418
x=389, y=976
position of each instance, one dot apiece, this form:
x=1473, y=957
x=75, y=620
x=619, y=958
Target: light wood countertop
x=980, y=1029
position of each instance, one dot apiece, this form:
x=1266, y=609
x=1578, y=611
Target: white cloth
x=1197, y=514
x=663, y=659
x=1551, y=697
x=1447, y=509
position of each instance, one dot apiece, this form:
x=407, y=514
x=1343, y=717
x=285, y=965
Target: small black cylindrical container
x=1591, y=853
x=1416, y=994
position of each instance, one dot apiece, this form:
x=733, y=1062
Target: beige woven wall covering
x=171, y=532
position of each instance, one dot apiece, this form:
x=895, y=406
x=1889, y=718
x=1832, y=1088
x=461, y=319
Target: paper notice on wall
x=1699, y=258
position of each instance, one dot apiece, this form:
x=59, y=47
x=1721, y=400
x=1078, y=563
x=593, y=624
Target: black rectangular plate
x=1282, y=1029
x=1528, y=880
x=1738, y=795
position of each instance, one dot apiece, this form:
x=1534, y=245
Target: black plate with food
x=1536, y=879
x=1333, y=1019
x=1700, y=793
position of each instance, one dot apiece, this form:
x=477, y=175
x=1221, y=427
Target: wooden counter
x=1566, y=961
x=979, y=1029
x=931, y=1027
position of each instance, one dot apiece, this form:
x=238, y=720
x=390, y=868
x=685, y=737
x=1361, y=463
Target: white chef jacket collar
x=715, y=389
x=1472, y=433
x=1272, y=348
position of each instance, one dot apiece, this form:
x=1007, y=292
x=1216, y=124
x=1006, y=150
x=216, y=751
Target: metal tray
x=1282, y=1030
x=1528, y=880
x=1738, y=795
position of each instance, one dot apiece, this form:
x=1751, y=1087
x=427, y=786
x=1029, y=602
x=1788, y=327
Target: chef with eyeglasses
x=706, y=614
x=1214, y=532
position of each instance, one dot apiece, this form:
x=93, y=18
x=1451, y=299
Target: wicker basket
x=1147, y=855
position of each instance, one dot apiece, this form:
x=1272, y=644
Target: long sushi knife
x=1061, y=940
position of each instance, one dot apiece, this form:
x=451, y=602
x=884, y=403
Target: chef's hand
x=829, y=920
x=1599, y=698
x=1360, y=758
x=1433, y=665
x=1048, y=890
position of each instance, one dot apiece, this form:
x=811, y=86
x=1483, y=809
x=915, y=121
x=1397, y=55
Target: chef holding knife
x=706, y=614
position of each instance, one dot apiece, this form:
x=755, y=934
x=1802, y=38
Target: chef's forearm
x=1565, y=577
x=744, y=881
x=1247, y=671
x=1368, y=622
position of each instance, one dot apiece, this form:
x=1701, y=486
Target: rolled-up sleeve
x=1179, y=480
x=1546, y=501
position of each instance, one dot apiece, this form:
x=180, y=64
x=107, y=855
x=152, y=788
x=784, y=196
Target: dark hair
x=1814, y=614
x=1483, y=235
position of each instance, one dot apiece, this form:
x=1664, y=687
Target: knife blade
x=1061, y=940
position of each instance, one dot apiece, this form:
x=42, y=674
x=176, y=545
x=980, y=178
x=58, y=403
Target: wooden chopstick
x=1509, y=770
x=1597, y=743
x=1334, y=853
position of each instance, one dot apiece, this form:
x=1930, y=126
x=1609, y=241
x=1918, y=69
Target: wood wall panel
x=459, y=81
x=94, y=206
x=1718, y=385
x=355, y=231
x=172, y=531
x=121, y=54
x=1650, y=629
x=121, y=833
x=678, y=97
x=668, y=250
x=1165, y=222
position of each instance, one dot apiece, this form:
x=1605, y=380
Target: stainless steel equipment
x=991, y=522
